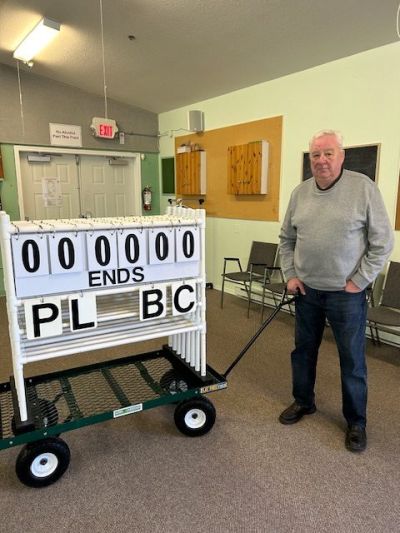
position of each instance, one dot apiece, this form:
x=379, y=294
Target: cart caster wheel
x=43, y=462
x=172, y=383
x=195, y=417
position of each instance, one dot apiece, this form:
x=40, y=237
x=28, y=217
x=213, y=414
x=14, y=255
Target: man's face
x=326, y=159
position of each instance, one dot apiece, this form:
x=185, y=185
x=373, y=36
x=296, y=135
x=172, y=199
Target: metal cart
x=67, y=400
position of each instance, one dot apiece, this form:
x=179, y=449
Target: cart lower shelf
x=63, y=401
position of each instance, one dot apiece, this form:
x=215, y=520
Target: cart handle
x=267, y=321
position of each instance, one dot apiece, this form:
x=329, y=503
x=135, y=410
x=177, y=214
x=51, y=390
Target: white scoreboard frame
x=84, y=284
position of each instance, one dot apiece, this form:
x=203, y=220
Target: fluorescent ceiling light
x=37, y=39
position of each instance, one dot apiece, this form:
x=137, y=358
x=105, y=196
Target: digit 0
x=132, y=248
x=102, y=251
x=30, y=255
x=66, y=253
x=188, y=244
x=162, y=246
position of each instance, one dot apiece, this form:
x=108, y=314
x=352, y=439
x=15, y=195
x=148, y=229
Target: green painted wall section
x=8, y=192
x=151, y=177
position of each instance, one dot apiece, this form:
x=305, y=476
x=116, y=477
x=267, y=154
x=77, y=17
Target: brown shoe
x=295, y=412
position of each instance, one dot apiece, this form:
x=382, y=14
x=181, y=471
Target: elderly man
x=335, y=239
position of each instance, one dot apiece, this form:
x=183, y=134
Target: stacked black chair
x=387, y=312
x=261, y=264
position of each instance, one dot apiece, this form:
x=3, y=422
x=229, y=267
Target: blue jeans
x=346, y=313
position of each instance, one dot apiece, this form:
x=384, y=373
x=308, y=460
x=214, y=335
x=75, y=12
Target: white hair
x=338, y=136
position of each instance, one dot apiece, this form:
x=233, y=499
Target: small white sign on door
x=65, y=134
x=51, y=188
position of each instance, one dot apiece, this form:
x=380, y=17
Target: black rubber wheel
x=43, y=462
x=173, y=383
x=195, y=417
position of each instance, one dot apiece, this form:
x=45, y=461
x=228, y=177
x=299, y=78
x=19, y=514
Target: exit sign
x=105, y=128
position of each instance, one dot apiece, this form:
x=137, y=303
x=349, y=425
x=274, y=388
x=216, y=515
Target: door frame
x=137, y=180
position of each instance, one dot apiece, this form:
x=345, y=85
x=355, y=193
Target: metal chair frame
x=262, y=258
x=267, y=285
x=387, y=312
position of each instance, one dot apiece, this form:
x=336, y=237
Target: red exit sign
x=106, y=130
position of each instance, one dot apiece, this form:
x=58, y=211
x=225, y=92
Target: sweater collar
x=331, y=185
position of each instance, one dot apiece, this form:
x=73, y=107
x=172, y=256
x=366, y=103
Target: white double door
x=85, y=185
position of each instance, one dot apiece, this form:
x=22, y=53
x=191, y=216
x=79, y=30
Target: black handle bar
x=266, y=322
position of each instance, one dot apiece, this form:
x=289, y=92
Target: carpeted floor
x=249, y=474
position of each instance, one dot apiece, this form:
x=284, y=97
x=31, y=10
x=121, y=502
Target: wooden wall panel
x=188, y=173
x=218, y=202
x=245, y=168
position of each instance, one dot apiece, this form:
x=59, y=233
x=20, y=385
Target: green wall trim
x=8, y=192
x=151, y=178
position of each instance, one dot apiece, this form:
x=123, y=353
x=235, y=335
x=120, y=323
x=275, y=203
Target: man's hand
x=294, y=285
x=351, y=287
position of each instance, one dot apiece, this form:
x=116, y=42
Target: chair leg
x=248, y=298
x=377, y=335
x=372, y=334
x=222, y=293
x=246, y=287
x=274, y=298
x=262, y=303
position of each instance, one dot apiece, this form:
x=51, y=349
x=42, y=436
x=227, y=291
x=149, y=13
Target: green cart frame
x=62, y=401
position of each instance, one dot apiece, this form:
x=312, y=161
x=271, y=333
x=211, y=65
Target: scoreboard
x=82, y=284
x=60, y=261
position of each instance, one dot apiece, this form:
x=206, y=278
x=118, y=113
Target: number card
x=132, y=248
x=187, y=244
x=43, y=317
x=102, y=250
x=66, y=253
x=183, y=298
x=152, y=302
x=82, y=311
x=30, y=255
x=161, y=246
x=103, y=255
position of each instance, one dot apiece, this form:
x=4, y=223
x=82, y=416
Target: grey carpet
x=249, y=474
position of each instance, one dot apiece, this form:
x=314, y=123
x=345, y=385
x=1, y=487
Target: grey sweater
x=331, y=236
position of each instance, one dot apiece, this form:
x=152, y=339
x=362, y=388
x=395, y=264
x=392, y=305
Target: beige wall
x=358, y=95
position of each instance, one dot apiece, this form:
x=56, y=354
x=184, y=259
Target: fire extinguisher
x=146, y=195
